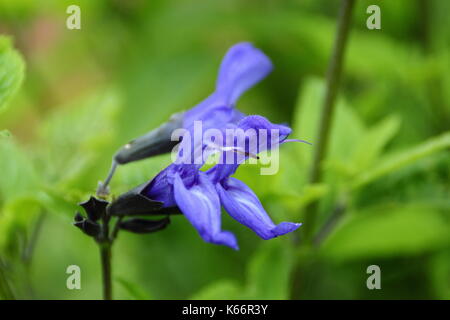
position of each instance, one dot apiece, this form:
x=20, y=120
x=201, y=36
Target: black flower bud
x=90, y=228
x=135, y=203
x=137, y=225
x=155, y=142
x=95, y=208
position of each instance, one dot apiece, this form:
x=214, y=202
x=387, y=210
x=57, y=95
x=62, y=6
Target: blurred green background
x=70, y=98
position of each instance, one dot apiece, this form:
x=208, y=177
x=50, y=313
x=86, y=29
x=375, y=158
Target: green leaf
x=370, y=146
x=16, y=215
x=401, y=159
x=133, y=289
x=352, y=146
x=12, y=69
x=366, y=150
x=76, y=140
x=18, y=173
x=346, y=127
x=309, y=193
x=387, y=232
x=20, y=196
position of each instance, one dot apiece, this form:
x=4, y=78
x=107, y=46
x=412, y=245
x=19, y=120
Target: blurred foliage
x=12, y=70
x=384, y=199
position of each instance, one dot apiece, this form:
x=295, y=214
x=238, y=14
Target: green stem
x=29, y=249
x=105, y=244
x=105, y=254
x=28, y=252
x=332, y=86
x=329, y=224
x=423, y=6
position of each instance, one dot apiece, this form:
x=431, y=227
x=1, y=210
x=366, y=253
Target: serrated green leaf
x=76, y=140
x=19, y=193
x=12, y=69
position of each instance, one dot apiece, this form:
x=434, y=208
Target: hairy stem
x=332, y=85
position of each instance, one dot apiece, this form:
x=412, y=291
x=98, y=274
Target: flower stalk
x=105, y=255
x=103, y=220
x=105, y=244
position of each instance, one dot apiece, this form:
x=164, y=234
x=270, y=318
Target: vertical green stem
x=423, y=7
x=105, y=244
x=332, y=85
x=105, y=254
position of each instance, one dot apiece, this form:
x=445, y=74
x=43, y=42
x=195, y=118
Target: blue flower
x=242, y=67
x=200, y=195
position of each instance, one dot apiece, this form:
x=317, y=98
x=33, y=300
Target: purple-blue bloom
x=260, y=135
x=200, y=195
x=239, y=200
x=242, y=67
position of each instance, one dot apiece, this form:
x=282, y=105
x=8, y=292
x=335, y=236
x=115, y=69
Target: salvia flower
x=242, y=67
x=200, y=195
